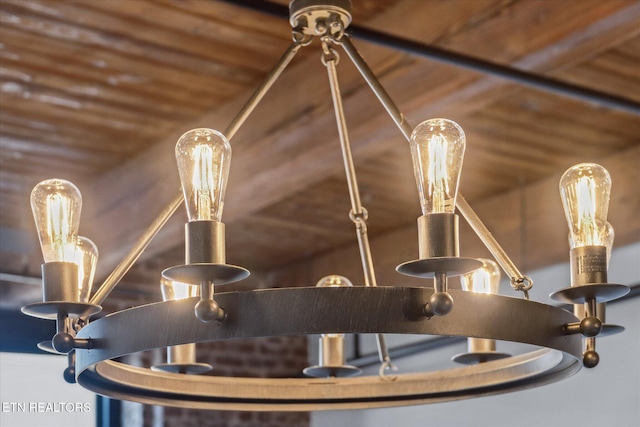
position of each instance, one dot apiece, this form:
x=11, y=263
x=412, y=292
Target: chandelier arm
x=375, y=85
x=358, y=213
x=354, y=194
x=519, y=281
x=264, y=87
x=134, y=253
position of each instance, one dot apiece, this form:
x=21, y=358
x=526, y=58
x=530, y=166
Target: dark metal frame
x=388, y=310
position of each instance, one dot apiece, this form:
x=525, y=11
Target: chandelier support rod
x=518, y=280
x=134, y=253
x=264, y=87
x=358, y=213
x=354, y=194
x=375, y=85
x=127, y=262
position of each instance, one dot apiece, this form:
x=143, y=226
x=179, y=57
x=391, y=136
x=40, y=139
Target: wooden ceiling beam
x=275, y=165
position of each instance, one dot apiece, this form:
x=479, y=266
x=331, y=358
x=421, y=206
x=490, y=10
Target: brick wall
x=262, y=357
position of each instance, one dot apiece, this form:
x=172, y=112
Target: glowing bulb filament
x=481, y=282
x=437, y=173
x=172, y=291
x=58, y=213
x=203, y=180
x=485, y=280
x=586, y=201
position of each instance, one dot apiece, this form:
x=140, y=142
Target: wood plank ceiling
x=98, y=92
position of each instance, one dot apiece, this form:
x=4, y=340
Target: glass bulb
x=437, y=148
x=609, y=235
x=585, y=190
x=484, y=280
x=203, y=157
x=172, y=291
x=333, y=281
x=56, y=206
x=87, y=260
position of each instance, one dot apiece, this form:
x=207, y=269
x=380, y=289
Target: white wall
x=34, y=394
x=608, y=395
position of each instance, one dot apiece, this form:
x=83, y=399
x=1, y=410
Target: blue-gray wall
x=608, y=395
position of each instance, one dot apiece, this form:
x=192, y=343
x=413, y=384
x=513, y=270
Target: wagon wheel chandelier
x=198, y=309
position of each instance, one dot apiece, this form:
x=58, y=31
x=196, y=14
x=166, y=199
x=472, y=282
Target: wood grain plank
x=14, y=15
x=135, y=75
x=300, y=168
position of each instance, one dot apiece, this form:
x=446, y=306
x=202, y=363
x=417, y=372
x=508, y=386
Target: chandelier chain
x=329, y=53
x=522, y=284
x=300, y=38
x=358, y=213
x=386, y=366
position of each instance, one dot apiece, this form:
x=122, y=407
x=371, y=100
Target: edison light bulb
x=177, y=290
x=437, y=148
x=56, y=206
x=484, y=280
x=87, y=260
x=203, y=157
x=585, y=190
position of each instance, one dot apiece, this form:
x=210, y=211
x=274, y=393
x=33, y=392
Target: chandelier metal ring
x=398, y=311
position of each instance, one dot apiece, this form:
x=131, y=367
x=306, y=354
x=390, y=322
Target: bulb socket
x=588, y=265
x=60, y=282
x=438, y=235
x=204, y=242
x=181, y=354
x=481, y=345
x=331, y=350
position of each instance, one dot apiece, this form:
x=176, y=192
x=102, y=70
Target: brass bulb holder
x=205, y=259
x=205, y=266
x=438, y=235
x=589, y=292
x=181, y=359
x=204, y=242
x=588, y=265
x=331, y=359
x=589, y=278
x=479, y=350
x=438, y=249
x=60, y=294
x=60, y=282
x=439, y=253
